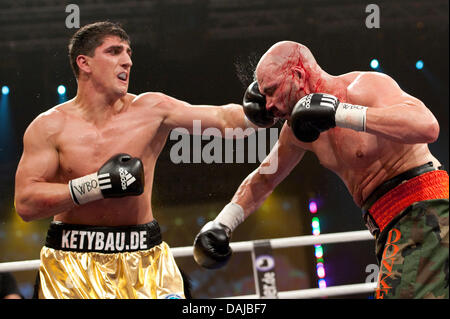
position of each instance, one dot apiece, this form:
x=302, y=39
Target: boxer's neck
x=322, y=82
x=97, y=106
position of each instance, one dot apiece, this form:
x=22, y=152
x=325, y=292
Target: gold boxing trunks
x=93, y=262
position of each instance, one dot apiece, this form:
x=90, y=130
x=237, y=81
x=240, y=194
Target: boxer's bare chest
x=363, y=160
x=84, y=146
x=341, y=148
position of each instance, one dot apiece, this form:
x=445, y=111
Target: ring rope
x=318, y=292
x=242, y=246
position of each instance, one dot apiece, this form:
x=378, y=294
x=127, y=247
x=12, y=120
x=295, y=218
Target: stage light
x=320, y=270
x=5, y=90
x=374, y=64
x=312, y=207
x=61, y=89
x=419, y=65
x=322, y=283
x=315, y=224
x=200, y=221
x=319, y=251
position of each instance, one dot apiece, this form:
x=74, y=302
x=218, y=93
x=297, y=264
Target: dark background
x=204, y=52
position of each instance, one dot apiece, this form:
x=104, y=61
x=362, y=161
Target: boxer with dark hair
x=89, y=163
x=87, y=39
x=374, y=136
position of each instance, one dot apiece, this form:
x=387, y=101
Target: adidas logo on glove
x=126, y=178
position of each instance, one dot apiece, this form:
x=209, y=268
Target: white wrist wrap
x=85, y=189
x=231, y=216
x=351, y=116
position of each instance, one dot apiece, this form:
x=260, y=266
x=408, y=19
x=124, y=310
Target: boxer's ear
x=83, y=63
x=299, y=77
x=299, y=72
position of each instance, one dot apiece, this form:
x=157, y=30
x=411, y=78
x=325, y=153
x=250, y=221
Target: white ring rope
x=243, y=246
x=318, y=292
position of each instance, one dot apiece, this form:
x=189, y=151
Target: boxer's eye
x=114, y=50
x=270, y=90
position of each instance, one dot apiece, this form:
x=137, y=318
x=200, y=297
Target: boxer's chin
x=121, y=92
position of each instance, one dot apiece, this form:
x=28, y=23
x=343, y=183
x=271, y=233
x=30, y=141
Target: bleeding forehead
x=267, y=71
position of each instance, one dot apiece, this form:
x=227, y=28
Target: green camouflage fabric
x=413, y=253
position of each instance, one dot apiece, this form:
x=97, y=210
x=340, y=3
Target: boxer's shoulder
x=158, y=103
x=151, y=99
x=48, y=123
x=367, y=88
x=369, y=81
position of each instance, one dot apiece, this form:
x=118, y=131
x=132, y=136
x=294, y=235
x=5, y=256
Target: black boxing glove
x=212, y=245
x=317, y=112
x=254, y=104
x=309, y=117
x=304, y=131
x=122, y=175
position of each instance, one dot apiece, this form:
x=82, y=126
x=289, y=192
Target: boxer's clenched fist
x=254, y=104
x=317, y=112
x=212, y=245
x=122, y=175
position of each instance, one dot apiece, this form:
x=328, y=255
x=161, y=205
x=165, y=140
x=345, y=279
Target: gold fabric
x=143, y=274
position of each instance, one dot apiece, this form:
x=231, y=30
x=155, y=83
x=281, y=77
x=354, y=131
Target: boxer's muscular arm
x=396, y=115
x=212, y=244
x=177, y=113
x=258, y=186
x=35, y=197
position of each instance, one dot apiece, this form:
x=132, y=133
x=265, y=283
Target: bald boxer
x=89, y=163
x=374, y=136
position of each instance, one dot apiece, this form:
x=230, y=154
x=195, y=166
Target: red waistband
x=431, y=185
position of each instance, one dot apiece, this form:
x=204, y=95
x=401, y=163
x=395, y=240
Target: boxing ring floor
x=249, y=246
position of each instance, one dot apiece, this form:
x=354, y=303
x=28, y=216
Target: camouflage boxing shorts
x=413, y=253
